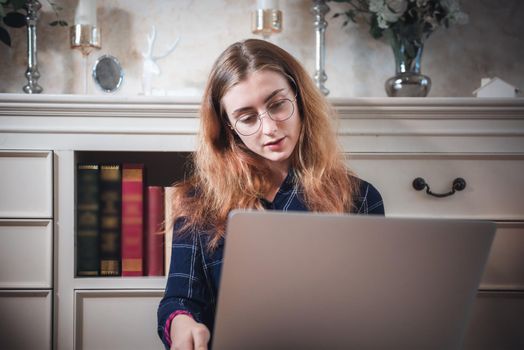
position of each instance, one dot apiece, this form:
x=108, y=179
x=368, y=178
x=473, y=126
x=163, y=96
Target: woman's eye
x=249, y=119
x=276, y=106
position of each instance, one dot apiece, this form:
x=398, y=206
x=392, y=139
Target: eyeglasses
x=279, y=111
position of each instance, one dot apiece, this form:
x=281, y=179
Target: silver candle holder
x=32, y=74
x=86, y=38
x=266, y=22
x=319, y=10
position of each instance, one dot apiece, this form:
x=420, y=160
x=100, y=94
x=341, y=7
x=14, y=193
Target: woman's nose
x=269, y=126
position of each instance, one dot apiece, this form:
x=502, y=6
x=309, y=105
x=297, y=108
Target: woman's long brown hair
x=227, y=175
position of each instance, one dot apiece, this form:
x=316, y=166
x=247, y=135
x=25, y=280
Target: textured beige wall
x=492, y=44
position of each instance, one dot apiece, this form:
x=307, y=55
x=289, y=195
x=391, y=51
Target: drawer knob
x=458, y=185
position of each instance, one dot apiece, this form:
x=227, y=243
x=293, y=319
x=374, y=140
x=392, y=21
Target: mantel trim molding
x=178, y=107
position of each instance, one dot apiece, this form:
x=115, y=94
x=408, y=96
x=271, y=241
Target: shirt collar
x=287, y=186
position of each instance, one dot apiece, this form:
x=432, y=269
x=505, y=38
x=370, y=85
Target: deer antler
x=171, y=49
x=151, y=37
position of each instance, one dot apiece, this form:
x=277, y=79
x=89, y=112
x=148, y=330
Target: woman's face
x=252, y=97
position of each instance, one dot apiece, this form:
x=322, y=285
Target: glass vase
x=407, y=81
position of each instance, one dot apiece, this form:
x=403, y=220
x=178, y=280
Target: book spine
x=168, y=228
x=87, y=220
x=132, y=219
x=110, y=217
x=154, y=231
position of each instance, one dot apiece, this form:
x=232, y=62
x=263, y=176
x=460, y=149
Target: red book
x=132, y=219
x=168, y=227
x=154, y=231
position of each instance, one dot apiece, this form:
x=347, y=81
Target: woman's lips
x=273, y=145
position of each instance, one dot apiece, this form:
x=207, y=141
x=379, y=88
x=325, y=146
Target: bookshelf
x=159, y=169
x=435, y=138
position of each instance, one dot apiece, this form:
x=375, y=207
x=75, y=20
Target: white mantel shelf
x=152, y=123
x=167, y=106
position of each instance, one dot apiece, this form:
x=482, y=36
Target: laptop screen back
x=321, y=281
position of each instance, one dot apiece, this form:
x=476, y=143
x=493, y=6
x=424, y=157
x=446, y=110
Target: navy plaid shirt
x=194, y=273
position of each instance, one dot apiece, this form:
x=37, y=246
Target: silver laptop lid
x=320, y=281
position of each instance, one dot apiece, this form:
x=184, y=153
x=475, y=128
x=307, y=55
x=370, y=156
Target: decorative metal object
x=408, y=81
x=32, y=74
x=266, y=21
x=85, y=37
x=459, y=184
x=319, y=10
x=108, y=73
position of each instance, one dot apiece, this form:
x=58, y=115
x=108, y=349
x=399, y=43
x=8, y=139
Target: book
x=87, y=220
x=154, y=263
x=110, y=218
x=168, y=227
x=132, y=248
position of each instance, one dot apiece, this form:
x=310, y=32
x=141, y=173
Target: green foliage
x=13, y=14
x=14, y=20
x=412, y=20
x=403, y=24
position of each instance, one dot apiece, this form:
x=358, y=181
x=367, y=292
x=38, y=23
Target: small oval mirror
x=108, y=73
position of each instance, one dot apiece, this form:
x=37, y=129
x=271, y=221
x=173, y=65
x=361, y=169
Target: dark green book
x=110, y=219
x=87, y=220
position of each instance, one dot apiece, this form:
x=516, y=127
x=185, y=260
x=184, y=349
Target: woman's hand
x=188, y=334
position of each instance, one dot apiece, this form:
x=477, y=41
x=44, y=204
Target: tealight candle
x=267, y=4
x=86, y=12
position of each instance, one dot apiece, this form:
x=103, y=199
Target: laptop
x=329, y=281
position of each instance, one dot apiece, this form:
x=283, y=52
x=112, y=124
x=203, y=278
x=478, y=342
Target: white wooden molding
x=66, y=121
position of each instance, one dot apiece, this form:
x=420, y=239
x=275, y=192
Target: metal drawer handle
x=458, y=185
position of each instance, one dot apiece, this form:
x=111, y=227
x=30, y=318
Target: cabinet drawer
x=497, y=321
x=505, y=266
x=26, y=184
x=26, y=319
x=117, y=320
x=494, y=184
x=26, y=253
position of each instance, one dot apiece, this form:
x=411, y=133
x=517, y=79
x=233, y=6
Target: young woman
x=266, y=142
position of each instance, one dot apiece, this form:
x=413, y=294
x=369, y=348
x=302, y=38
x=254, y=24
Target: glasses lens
x=281, y=110
x=248, y=124
x=278, y=111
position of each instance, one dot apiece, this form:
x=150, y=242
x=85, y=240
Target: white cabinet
x=116, y=319
x=494, y=191
x=26, y=184
x=26, y=319
x=390, y=142
x=26, y=249
x=26, y=253
x=494, y=183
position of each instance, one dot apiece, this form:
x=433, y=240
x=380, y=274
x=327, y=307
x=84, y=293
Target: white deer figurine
x=150, y=67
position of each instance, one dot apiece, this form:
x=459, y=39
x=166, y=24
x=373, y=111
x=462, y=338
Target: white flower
x=388, y=11
x=376, y=5
x=397, y=6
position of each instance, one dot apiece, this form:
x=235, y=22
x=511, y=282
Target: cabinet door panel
x=117, y=320
x=505, y=266
x=25, y=321
x=26, y=253
x=26, y=184
x=494, y=184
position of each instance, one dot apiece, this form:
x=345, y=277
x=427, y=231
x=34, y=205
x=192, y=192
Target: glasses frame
x=261, y=115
